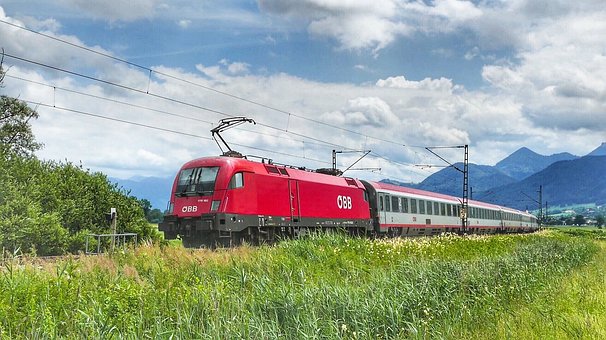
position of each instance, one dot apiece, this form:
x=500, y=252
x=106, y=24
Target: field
x=544, y=285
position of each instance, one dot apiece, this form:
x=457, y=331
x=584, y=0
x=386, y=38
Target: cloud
x=356, y=25
x=471, y=54
x=558, y=73
x=115, y=10
x=441, y=84
x=235, y=67
x=51, y=25
x=364, y=111
x=184, y=23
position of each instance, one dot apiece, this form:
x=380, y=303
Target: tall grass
x=327, y=286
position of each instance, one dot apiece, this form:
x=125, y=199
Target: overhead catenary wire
x=181, y=102
x=85, y=113
x=151, y=71
x=129, y=88
x=54, y=87
x=112, y=100
x=209, y=88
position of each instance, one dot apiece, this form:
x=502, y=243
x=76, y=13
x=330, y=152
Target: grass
x=328, y=286
x=570, y=308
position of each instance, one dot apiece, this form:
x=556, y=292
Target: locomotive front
x=197, y=196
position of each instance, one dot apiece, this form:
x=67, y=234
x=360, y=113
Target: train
x=225, y=201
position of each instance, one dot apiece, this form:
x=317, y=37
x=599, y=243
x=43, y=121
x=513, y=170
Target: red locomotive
x=227, y=200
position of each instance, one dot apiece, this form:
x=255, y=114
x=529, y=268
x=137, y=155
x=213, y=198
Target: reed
x=321, y=286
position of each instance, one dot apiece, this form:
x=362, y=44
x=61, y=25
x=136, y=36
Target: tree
x=155, y=216
x=49, y=207
x=599, y=221
x=16, y=137
x=145, y=205
x=579, y=220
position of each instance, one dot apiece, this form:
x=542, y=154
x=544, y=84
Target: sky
x=133, y=88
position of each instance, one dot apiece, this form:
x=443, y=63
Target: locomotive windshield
x=197, y=181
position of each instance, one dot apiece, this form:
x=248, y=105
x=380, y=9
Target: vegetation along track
x=321, y=286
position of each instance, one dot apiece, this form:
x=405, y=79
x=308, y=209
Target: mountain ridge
x=525, y=162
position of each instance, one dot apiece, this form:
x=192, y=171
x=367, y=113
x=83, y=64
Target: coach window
x=387, y=208
x=443, y=209
x=237, y=181
x=421, y=207
x=449, y=210
x=429, y=205
x=436, y=208
x=413, y=206
x=395, y=205
x=381, y=208
x=404, y=205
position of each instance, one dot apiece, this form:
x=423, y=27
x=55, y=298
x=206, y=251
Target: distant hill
x=449, y=181
x=402, y=184
x=514, y=181
x=154, y=189
x=599, y=151
x=574, y=181
x=525, y=162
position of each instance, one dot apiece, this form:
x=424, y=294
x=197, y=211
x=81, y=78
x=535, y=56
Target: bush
x=50, y=206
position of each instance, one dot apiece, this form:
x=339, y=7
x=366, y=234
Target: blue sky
x=270, y=45
x=497, y=75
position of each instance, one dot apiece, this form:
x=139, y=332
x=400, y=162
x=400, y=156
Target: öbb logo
x=344, y=202
x=189, y=209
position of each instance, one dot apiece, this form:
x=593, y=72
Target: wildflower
x=343, y=327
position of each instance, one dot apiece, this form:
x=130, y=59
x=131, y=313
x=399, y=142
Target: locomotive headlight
x=215, y=205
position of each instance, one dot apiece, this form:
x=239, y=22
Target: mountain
x=402, y=184
x=525, y=162
x=449, y=181
x=567, y=182
x=154, y=189
x=599, y=151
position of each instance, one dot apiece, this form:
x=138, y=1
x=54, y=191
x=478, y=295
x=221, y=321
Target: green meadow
x=548, y=285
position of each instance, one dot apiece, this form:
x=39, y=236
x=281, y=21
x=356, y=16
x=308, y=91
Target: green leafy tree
x=145, y=205
x=16, y=137
x=151, y=215
x=579, y=220
x=49, y=207
x=599, y=221
x=155, y=216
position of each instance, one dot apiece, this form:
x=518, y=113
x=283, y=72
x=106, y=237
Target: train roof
x=243, y=164
x=437, y=196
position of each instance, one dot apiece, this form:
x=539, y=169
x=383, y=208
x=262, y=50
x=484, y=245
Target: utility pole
x=464, y=220
x=539, y=202
x=465, y=171
x=337, y=172
x=540, y=191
